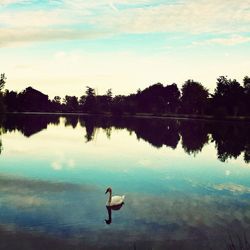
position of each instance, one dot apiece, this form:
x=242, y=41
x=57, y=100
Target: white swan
x=114, y=201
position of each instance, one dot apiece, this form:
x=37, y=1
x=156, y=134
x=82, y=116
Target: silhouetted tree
x=228, y=97
x=103, y=102
x=194, y=97
x=118, y=105
x=56, y=104
x=109, y=97
x=3, y=79
x=11, y=100
x=151, y=99
x=130, y=104
x=82, y=101
x=172, y=98
x=2, y=84
x=71, y=103
x=246, y=82
x=90, y=101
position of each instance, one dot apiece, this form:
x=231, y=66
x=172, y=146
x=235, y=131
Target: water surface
x=186, y=182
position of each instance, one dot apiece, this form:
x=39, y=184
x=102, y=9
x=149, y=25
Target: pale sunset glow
x=62, y=46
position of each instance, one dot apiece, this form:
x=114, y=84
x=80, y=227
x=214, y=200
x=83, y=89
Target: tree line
x=230, y=98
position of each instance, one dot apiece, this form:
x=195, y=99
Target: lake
x=187, y=183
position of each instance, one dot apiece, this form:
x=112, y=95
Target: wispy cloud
x=133, y=17
x=228, y=41
x=187, y=16
x=113, y=7
x=19, y=36
x=7, y=2
x=34, y=18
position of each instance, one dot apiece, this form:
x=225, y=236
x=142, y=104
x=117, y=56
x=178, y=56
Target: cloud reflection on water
x=172, y=216
x=170, y=195
x=18, y=184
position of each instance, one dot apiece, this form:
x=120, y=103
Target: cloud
x=187, y=16
x=19, y=36
x=95, y=19
x=7, y=2
x=228, y=41
x=34, y=18
x=113, y=7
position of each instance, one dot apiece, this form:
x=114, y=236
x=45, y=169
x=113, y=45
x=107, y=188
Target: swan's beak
x=106, y=191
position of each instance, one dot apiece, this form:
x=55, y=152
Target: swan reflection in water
x=113, y=203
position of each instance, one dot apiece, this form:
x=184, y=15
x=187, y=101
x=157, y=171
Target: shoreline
x=146, y=116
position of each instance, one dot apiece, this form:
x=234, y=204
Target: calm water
x=187, y=183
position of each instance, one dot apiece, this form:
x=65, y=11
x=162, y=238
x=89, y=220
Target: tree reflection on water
x=230, y=138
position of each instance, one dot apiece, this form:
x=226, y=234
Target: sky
x=61, y=46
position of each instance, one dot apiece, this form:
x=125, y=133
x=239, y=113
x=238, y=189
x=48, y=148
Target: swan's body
x=114, y=201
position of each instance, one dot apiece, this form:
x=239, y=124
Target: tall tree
x=228, y=97
x=82, y=101
x=57, y=99
x=172, y=98
x=118, y=105
x=194, y=97
x=3, y=79
x=11, y=100
x=246, y=82
x=2, y=84
x=103, y=102
x=151, y=99
x=90, y=101
x=109, y=97
x=71, y=103
x=56, y=104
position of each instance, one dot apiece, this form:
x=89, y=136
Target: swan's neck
x=110, y=195
x=109, y=220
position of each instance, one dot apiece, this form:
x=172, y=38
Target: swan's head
x=109, y=221
x=108, y=190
